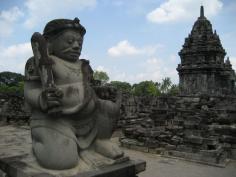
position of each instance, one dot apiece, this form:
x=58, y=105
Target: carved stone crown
x=55, y=26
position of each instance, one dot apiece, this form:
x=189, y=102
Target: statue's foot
x=94, y=159
x=108, y=148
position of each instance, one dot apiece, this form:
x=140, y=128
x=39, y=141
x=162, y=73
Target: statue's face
x=67, y=45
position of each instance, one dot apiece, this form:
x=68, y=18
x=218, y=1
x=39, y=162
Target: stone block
x=176, y=140
x=228, y=139
x=210, y=141
x=2, y=174
x=170, y=147
x=233, y=154
x=184, y=148
x=194, y=139
x=212, y=160
x=160, y=150
x=233, y=146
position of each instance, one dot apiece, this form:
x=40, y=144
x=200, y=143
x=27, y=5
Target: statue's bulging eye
x=70, y=41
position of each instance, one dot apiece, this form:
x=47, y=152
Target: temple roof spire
x=202, y=12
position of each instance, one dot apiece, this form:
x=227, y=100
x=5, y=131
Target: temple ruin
x=199, y=124
x=202, y=68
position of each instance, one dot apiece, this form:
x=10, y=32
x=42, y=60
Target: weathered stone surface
x=2, y=174
x=69, y=122
x=17, y=160
x=233, y=154
x=202, y=68
x=194, y=139
x=12, y=110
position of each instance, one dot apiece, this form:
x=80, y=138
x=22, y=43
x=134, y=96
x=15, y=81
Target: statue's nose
x=76, y=45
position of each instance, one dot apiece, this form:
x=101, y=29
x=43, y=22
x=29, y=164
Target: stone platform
x=17, y=160
x=208, y=157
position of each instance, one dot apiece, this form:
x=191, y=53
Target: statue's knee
x=54, y=150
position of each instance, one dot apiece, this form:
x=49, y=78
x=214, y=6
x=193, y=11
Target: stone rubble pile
x=197, y=128
x=12, y=109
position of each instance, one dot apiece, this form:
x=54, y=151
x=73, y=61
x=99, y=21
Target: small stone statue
x=68, y=120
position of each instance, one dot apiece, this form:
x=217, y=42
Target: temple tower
x=202, y=69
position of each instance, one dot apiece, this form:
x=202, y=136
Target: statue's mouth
x=74, y=54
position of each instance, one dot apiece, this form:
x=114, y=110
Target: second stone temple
x=203, y=69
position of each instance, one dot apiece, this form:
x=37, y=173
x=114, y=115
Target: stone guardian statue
x=69, y=122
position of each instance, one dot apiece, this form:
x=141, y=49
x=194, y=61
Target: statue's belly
x=73, y=95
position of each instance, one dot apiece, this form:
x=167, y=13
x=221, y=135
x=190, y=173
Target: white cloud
x=7, y=20
x=233, y=62
x=179, y=10
x=41, y=11
x=101, y=68
x=152, y=69
x=125, y=48
x=14, y=57
x=157, y=68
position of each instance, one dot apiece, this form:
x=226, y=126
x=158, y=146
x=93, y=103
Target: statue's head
x=65, y=38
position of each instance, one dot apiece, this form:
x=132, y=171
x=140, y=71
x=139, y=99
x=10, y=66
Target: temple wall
x=12, y=110
x=200, y=125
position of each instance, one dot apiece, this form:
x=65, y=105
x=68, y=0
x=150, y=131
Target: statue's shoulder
x=86, y=65
x=84, y=61
x=31, y=72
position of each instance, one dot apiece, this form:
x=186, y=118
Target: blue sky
x=132, y=40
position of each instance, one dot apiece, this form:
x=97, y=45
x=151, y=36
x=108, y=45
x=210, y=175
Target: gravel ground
x=158, y=166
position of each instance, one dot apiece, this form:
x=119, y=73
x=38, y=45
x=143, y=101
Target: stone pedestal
x=14, y=167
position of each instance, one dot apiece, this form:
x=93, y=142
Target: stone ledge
x=197, y=158
x=14, y=167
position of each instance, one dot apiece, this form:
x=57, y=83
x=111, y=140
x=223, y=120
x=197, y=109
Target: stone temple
x=202, y=68
x=200, y=123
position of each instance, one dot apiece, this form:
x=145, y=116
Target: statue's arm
x=32, y=85
x=32, y=91
x=46, y=99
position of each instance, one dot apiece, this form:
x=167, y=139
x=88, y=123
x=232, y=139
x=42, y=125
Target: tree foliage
x=16, y=89
x=14, y=83
x=11, y=83
x=166, y=87
x=174, y=89
x=101, y=76
x=10, y=78
x=123, y=86
x=144, y=88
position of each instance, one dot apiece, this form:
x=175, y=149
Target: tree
x=174, y=90
x=145, y=88
x=10, y=78
x=123, y=86
x=101, y=76
x=158, y=88
x=15, y=89
x=11, y=83
x=165, y=85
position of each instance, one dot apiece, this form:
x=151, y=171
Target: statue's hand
x=50, y=100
